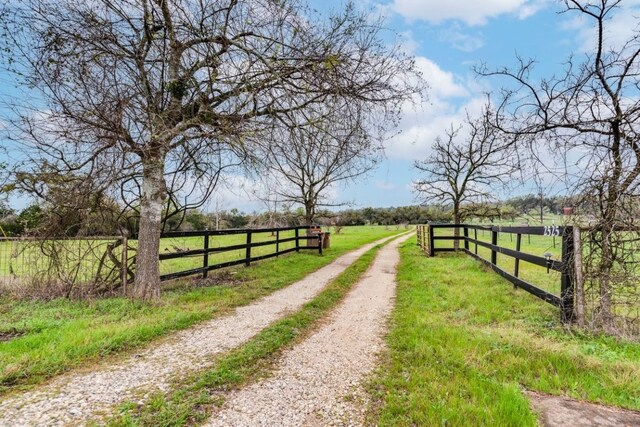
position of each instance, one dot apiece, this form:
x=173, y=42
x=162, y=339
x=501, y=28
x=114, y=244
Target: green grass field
x=624, y=294
x=58, y=335
x=535, y=245
x=73, y=259
x=464, y=345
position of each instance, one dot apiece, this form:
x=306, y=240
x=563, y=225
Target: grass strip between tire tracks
x=188, y=403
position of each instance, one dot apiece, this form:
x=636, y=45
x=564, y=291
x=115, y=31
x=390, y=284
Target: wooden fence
x=469, y=237
x=106, y=264
x=304, y=238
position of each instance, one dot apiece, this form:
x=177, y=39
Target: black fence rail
x=299, y=238
x=465, y=238
x=268, y=242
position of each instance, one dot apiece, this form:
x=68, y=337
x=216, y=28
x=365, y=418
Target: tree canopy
x=155, y=98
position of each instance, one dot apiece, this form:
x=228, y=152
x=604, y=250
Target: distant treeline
x=98, y=219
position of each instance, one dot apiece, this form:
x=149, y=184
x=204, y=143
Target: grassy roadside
x=186, y=405
x=62, y=334
x=464, y=344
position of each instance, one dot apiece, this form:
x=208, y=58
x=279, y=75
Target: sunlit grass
x=531, y=244
x=464, y=344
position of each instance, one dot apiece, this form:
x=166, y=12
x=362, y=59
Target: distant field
x=625, y=296
x=77, y=258
x=177, y=244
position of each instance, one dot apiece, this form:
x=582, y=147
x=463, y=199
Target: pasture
x=85, y=260
x=532, y=244
x=623, y=292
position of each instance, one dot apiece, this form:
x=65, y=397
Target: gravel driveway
x=319, y=382
x=77, y=397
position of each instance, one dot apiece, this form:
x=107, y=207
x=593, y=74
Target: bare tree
x=333, y=146
x=589, y=117
x=467, y=167
x=154, y=97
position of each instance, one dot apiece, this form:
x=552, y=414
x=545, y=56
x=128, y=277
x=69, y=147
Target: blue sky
x=448, y=38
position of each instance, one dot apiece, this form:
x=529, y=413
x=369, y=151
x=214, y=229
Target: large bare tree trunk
x=456, y=230
x=147, y=284
x=309, y=213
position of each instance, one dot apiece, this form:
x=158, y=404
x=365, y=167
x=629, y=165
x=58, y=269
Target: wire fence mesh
x=612, y=289
x=69, y=267
x=100, y=266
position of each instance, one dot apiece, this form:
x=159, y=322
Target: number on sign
x=551, y=230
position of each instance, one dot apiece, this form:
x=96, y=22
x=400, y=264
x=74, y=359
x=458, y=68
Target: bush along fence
x=79, y=267
x=482, y=243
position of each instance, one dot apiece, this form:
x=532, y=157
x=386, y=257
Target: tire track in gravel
x=319, y=381
x=76, y=398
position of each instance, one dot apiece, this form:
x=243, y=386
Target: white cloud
x=408, y=43
x=251, y=194
x=236, y=191
x=531, y=8
x=472, y=13
x=441, y=83
x=421, y=130
x=450, y=97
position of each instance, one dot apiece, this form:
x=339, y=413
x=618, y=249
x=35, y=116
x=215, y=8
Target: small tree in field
x=466, y=169
x=330, y=148
x=155, y=97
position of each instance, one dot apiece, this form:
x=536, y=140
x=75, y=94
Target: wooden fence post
x=475, y=237
x=432, y=249
x=123, y=263
x=297, y=241
x=205, y=259
x=579, y=285
x=494, y=242
x=566, y=280
x=466, y=237
x=247, y=261
x=277, y=242
x=517, y=263
x=425, y=239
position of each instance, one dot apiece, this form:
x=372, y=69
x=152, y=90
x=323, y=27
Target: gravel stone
x=320, y=381
x=78, y=397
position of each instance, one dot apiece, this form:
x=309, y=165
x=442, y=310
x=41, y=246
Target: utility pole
x=541, y=208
